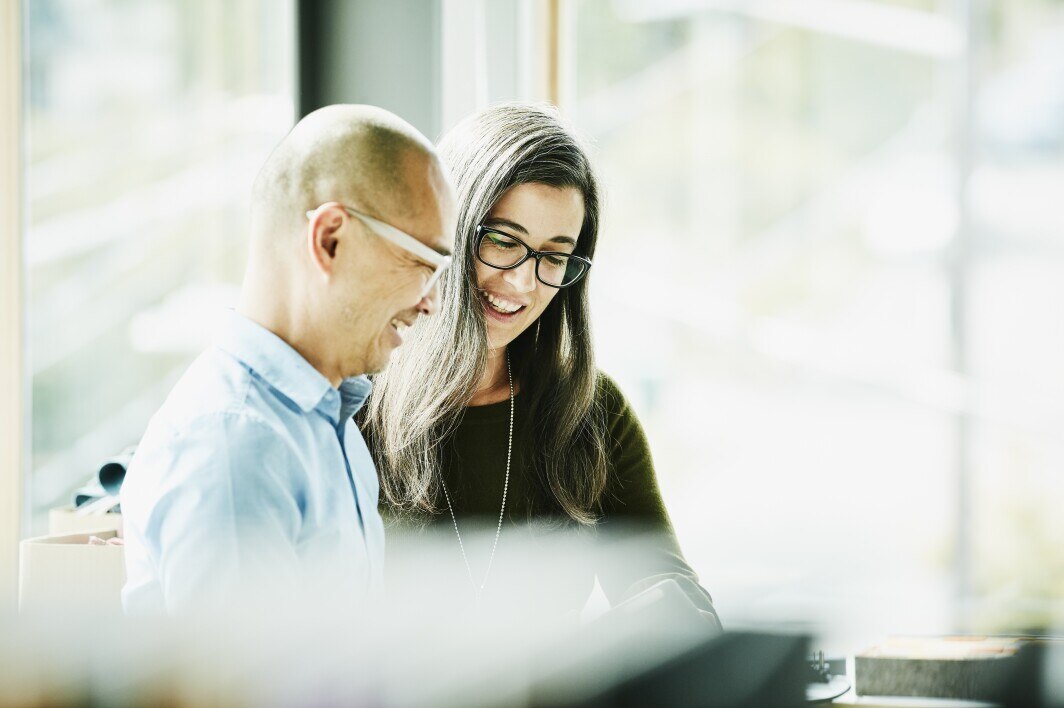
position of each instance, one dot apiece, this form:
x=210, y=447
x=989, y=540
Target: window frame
x=12, y=359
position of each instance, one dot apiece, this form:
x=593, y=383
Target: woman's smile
x=501, y=308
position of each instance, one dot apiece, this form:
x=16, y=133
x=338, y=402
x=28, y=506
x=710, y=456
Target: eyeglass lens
x=500, y=251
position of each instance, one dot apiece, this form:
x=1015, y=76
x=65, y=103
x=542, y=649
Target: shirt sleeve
x=638, y=546
x=222, y=519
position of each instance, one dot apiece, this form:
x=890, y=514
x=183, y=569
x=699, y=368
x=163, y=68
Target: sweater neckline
x=491, y=412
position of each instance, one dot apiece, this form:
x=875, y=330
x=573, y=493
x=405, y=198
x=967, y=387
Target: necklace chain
x=479, y=589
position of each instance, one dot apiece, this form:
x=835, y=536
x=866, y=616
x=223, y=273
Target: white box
x=64, y=520
x=64, y=574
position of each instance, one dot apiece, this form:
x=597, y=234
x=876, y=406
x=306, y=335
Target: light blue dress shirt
x=251, y=477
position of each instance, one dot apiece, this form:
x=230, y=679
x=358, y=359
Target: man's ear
x=323, y=236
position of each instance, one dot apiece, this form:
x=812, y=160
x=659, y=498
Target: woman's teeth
x=399, y=325
x=504, y=306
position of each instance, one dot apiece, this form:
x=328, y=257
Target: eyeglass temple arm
x=403, y=240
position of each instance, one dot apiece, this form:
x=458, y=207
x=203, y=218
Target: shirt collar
x=353, y=394
x=282, y=367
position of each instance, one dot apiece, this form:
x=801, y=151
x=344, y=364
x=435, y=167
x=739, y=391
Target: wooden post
x=544, y=45
x=554, y=45
x=12, y=386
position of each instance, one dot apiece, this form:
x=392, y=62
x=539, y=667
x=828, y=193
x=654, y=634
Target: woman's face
x=547, y=219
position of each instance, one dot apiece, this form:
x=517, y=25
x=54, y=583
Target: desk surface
x=852, y=699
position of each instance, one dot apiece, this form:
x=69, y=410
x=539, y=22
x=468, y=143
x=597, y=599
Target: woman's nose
x=523, y=277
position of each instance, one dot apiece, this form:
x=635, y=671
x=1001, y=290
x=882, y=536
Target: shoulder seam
x=208, y=417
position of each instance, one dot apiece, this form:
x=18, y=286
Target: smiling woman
x=494, y=410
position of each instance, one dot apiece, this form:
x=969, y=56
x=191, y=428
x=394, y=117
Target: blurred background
x=830, y=277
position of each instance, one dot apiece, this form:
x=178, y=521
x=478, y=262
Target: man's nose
x=430, y=301
x=523, y=277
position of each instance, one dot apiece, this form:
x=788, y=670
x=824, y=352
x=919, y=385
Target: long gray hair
x=420, y=398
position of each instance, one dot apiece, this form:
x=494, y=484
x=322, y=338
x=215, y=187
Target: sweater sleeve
x=638, y=546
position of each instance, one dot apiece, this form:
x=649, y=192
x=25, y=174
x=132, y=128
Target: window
x=146, y=123
x=849, y=368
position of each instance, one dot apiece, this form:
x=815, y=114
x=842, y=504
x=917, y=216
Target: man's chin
x=379, y=363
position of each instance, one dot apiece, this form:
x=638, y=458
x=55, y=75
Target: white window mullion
x=463, y=66
x=12, y=381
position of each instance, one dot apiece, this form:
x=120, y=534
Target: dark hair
x=419, y=399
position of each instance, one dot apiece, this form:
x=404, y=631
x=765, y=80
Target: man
x=252, y=483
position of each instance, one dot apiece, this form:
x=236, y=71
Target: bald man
x=252, y=484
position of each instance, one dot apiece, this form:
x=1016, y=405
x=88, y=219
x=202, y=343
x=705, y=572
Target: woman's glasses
x=505, y=252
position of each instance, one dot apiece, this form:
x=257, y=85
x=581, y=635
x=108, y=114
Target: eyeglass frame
x=403, y=240
x=529, y=253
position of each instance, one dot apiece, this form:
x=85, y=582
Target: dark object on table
x=735, y=669
x=1036, y=678
x=825, y=678
x=658, y=648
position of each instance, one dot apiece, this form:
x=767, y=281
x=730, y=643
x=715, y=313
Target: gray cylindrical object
x=112, y=471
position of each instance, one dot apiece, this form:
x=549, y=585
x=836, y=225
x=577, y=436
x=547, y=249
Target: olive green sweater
x=473, y=469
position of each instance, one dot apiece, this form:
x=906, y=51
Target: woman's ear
x=323, y=236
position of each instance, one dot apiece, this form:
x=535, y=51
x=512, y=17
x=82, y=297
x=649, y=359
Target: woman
x=494, y=408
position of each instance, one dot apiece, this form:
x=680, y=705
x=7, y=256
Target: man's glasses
x=505, y=252
x=404, y=241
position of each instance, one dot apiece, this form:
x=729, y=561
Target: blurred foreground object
x=136, y=661
x=733, y=669
x=419, y=645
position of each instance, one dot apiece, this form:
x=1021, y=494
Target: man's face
x=381, y=285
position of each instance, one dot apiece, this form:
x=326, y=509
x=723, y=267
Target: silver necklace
x=479, y=589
